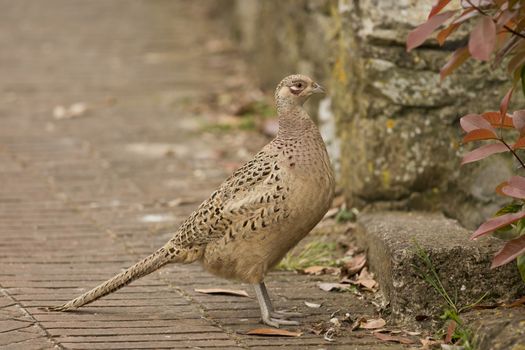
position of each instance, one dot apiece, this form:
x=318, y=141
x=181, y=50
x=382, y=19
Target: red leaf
x=519, y=144
x=483, y=152
x=438, y=7
x=497, y=222
x=494, y=118
x=467, y=14
x=500, y=186
x=518, y=120
x=518, y=182
x=471, y=122
x=418, y=35
x=478, y=135
x=510, y=251
x=458, y=57
x=450, y=331
x=504, y=105
x=505, y=17
x=513, y=192
x=514, y=187
x=443, y=34
x=482, y=39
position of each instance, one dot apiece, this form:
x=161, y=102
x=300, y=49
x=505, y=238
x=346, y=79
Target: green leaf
x=509, y=208
x=521, y=266
x=523, y=79
x=511, y=231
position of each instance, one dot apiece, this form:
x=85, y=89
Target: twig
x=484, y=13
x=512, y=151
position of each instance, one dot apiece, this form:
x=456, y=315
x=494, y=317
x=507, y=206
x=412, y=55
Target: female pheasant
x=257, y=214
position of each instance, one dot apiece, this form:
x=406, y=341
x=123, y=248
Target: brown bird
x=257, y=214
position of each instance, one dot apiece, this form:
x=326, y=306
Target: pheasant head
x=295, y=89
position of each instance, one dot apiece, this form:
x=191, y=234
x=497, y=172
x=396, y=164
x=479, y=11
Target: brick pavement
x=82, y=198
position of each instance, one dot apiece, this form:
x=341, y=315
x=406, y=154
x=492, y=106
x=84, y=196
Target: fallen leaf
x=517, y=303
x=428, y=342
x=312, y=305
x=366, y=279
x=373, y=323
x=328, y=287
x=412, y=332
x=355, y=264
x=314, y=270
x=393, y=338
x=450, y=331
x=367, y=283
x=273, y=332
x=234, y=292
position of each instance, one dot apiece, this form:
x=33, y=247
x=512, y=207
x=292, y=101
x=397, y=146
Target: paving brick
x=74, y=197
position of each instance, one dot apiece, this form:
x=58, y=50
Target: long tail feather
x=144, y=267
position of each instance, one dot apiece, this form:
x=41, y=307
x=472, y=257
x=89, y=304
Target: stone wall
x=391, y=125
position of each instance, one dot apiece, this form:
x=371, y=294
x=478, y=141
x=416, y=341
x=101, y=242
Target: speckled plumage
x=257, y=214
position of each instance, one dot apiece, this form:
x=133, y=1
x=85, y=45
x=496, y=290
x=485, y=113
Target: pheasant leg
x=268, y=315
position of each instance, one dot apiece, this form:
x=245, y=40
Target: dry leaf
x=273, y=332
x=412, y=332
x=366, y=279
x=428, y=342
x=314, y=270
x=373, y=323
x=450, y=331
x=370, y=284
x=328, y=287
x=517, y=303
x=393, y=338
x=312, y=305
x=355, y=264
x=234, y=292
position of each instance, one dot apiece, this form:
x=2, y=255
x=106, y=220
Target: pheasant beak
x=317, y=89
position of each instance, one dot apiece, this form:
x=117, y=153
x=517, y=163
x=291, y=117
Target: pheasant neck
x=293, y=121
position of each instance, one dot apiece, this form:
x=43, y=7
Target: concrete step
x=463, y=266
